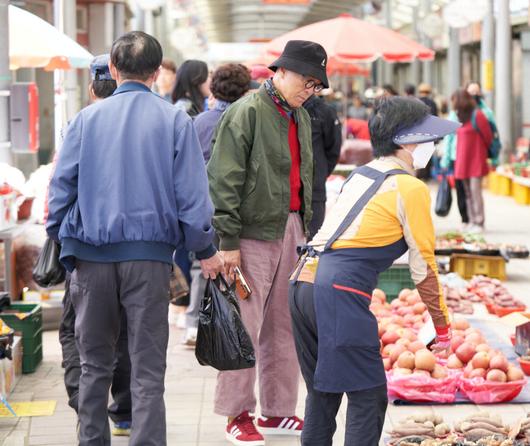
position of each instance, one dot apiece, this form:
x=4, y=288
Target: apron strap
x=379, y=178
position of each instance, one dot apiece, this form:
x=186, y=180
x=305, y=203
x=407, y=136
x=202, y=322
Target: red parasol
x=334, y=67
x=347, y=39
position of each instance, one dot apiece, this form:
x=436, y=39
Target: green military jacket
x=249, y=171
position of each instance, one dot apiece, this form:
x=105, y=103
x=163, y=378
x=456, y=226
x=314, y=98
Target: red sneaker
x=281, y=425
x=242, y=431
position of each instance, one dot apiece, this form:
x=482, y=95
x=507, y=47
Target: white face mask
x=422, y=154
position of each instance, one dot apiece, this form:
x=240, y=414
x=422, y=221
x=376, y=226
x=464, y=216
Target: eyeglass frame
x=317, y=88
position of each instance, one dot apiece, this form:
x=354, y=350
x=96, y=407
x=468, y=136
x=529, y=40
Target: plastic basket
x=493, y=182
x=521, y=193
x=30, y=328
x=504, y=186
x=467, y=266
x=30, y=361
x=394, y=279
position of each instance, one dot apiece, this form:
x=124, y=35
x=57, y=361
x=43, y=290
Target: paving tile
x=190, y=388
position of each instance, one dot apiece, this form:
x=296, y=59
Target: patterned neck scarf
x=277, y=97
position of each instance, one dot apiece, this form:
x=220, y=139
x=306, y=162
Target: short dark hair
x=390, y=89
x=463, y=104
x=392, y=114
x=230, y=82
x=103, y=89
x=190, y=76
x=136, y=55
x=410, y=89
x=168, y=64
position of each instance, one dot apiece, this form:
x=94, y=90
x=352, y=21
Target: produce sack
x=48, y=270
x=423, y=388
x=480, y=391
x=222, y=340
x=444, y=198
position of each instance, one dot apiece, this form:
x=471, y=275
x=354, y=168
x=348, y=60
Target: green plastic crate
x=30, y=361
x=30, y=328
x=394, y=279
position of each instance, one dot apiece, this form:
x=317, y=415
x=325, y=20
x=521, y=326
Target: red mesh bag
x=481, y=391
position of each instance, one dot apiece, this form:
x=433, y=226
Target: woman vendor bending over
x=382, y=211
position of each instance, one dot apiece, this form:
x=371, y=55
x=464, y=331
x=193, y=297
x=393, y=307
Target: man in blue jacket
x=130, y=186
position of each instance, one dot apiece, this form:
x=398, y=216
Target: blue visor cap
x=99, y=68
x=430, y=129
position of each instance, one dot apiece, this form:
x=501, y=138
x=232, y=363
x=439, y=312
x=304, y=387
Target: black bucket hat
x=304, y=57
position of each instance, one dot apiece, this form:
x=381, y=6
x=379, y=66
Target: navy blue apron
x=349, y=357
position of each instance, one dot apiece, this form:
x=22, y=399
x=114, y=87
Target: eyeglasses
x=314, y=85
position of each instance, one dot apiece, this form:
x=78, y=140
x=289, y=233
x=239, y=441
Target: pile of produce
x=493, y=292
x=471, y=353
x=465, y=243
x=477, y=429
x=482, y=425
x=450, y=242
x=515, y=251
x=419, y=427
x=459, y=300
x=523, y=429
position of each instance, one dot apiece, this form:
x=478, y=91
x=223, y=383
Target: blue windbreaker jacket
x=130, y=183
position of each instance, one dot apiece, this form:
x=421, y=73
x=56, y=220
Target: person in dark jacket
x=130, y=186
x=425, y=93
x=326, y=133
x=229, y=83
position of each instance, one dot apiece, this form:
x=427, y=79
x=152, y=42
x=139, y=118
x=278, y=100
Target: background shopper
x=326, y=132
x=192, y=87
x=471, y=162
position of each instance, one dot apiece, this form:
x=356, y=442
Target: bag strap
x=379, y=178
x=475, y=127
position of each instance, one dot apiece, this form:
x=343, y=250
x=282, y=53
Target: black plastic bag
x=444, y=198
x=222, y=340
x=48, y=271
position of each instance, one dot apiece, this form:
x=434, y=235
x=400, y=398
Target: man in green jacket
x=260, y=176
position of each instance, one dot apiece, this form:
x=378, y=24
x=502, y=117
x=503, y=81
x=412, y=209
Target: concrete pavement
x=190, y=387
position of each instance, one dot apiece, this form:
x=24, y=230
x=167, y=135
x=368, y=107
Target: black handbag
x=48, y=270
x=222, y=340
x=444, y=198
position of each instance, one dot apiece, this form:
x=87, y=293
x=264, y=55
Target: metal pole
x=427, y=66
x=525, y=46
x=149, y=22
x=503, y=78
x=453, y=58
x=5, y=84
x=415, y=66
x=388, y=67
x=60, y=118
x=72, y=97
x=487, y=51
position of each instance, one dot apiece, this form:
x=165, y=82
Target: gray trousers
x=474, y=200
x=120, y=409
x=365, y=415
x=100, y=293
x=197, y=288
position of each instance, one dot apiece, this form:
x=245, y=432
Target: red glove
x=443, y=339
